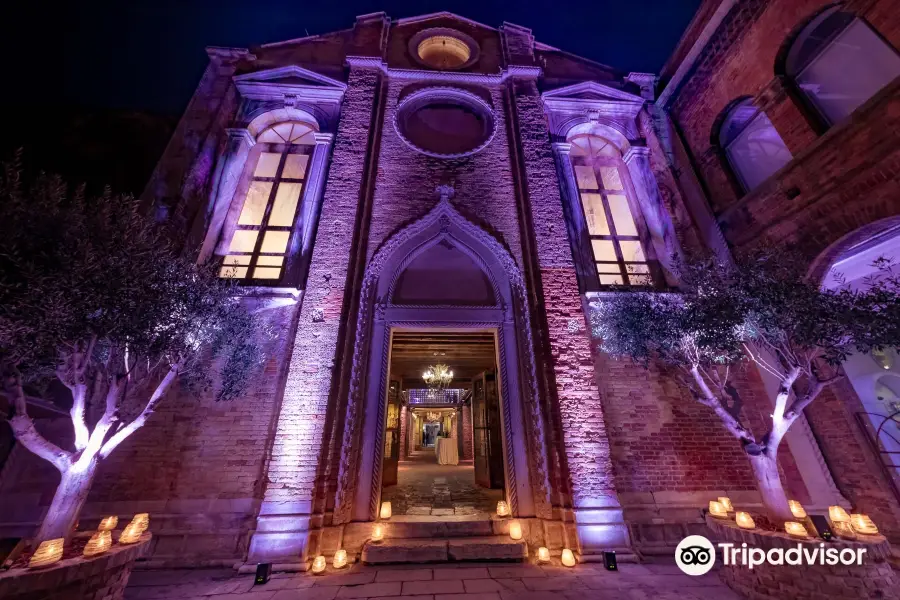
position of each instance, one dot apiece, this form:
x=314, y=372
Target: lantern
x=797, y=509
x=795, y=529
x=863, y=524
x=142, y=521
x=838, y=515
x=108, y=524
x=318, y=566
x=726, y=502
x=717, y=509
x=378, y=533
x=502, y=509
x=543, y=555
x=48, y=553
x=843, y=530
x=340, y=559
x=568, y=558
x=131, y=534
x=515, y=530
x=98, y=544
x=744, y=520
x=385, y=510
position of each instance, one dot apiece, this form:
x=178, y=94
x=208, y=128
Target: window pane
x=757, y=152
x=611, y=179
x=275, y=242
x=267, y=165
x=270, y=261
x=255, y=203
x=237, y=259
x=593, y=213
x=604, y=250
x=586, y=178
x=639, y=279
x=295, y=166
x=286, y=197
x=610, y=279
x=266, y=273
x=233, y=272
x=637, y=268
x=632, y=251
x=609, y=268
x=621, y=214
x=244, y=240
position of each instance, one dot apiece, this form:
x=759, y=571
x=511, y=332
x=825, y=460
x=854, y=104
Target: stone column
x=226, y=180
x=468, y=452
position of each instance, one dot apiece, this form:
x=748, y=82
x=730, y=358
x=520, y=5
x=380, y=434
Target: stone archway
x=525, y=456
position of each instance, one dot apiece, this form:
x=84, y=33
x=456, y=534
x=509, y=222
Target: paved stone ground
x=427, y=488
x=658, y=581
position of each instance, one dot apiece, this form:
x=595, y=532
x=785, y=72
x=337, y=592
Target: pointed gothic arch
x=525, y=456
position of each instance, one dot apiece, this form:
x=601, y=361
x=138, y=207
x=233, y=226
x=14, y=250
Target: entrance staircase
x=426, y=539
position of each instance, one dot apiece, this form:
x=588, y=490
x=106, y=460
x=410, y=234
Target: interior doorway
x=443, y=452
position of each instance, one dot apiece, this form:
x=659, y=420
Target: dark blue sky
x=148, y=54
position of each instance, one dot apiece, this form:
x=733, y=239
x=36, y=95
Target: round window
x=442, y=48
x=445, y=123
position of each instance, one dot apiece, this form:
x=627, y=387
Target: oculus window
x=445, y=123
x=752, y=145
x=838, y=62
x=260, y=241
x=443, y=48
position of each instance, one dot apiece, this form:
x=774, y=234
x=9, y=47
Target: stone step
x=417, y=550
x=411, y=528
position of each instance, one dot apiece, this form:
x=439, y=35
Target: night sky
x=148, y=54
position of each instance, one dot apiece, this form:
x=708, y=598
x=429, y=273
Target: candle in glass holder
x=49, y=552
x=838, y=515
x=340, y=559
x=98, y=544
x=385, y=510
x=797, y=509
x=843, y=530
x=131, y=534
x=568, y=558
x=515, y=530
x=726, y=502
x=717, y=509
x=142, y=520
x=795, y=529
x=744, y=520
x=108, y=524
x=318, y=566
x=378, y=533
x=863, y=524
x=543, y=555
x=502, y=509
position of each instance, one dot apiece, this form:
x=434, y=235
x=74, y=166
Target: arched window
x=752, y=145
x=261, y=237
x=613, y=225
x=838, y=62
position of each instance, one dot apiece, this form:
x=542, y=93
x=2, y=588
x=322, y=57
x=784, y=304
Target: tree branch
x=25, y=432
x=705, y=396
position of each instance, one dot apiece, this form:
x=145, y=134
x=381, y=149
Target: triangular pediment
x=440, y=16
x=591, y=91
x=290, y=75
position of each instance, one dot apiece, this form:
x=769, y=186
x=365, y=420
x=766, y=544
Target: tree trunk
x=775, y=501
x=67, y=502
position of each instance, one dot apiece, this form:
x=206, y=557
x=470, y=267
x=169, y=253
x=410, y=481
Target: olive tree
x=760, y=308
x=96, y=302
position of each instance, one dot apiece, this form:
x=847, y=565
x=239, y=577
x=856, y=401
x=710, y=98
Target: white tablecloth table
x=446, y=451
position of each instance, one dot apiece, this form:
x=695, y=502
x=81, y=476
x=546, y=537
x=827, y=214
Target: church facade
x=407, y=185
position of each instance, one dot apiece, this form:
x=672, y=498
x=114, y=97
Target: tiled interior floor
x=464, y=581
x=427, y=488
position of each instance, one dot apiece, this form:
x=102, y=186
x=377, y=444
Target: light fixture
x=843, y=530
x=377, y=533
x=98, y=544
x=863, y=524
x=837, y=514
x=568, y=558
x=385, y=510
x=318, y=566
x=438, y=376
x=340, y=559
x=48, y=553
x=502, y=509
x=797, y=509
x=108, y=524
x=515, y=530
x=717, y=509
x=744, y=520
x=543, y=555
x=726, y=502
x=141, y=521
x=131, y=534
x=795, y=529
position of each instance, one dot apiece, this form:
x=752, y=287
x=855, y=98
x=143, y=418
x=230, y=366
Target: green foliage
x=90, y=283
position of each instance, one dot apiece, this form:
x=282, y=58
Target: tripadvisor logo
x=696, y=555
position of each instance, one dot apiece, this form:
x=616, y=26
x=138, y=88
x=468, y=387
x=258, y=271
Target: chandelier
x=438, y=376
x=432, y=416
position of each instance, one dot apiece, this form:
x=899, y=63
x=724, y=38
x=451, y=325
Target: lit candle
x=717, y=509
x=98, y=544
x=795, y=529
x=543, y=555
x=502, y=509
x=378, y=533
x=48, y=553
x=837, y=514
x=515, y=530
x=863, y=524
x=797, y=509
x=340, y=559
x=108, y=524
x=744, y=520
x=842, y=529
x=318, y=566
x=385, y=510
x=568, y=558
x=131, y=534
x=726, y=502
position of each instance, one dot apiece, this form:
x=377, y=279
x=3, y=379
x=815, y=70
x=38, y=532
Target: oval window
x=445, y=123
x=443, y=48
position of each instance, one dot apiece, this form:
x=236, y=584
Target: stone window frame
x=418, y=38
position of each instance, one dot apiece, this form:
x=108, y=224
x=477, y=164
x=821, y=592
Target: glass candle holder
x=795, y=529
x=744, y=520
x=797, y=509
x=515, y=530
x=568, y=558
x=863, y=524
x=543, y=555
x=108, y=524
x=378, y=533
x=48, y=552
x=340, y=559
x=502, y=509
x=726, y=502
x=837, y=514
x=99, y=543
x=318, y=566
x=131, y=534
x=385, y=510
x=717, y=509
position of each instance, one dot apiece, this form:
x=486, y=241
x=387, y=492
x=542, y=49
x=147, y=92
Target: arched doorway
x=442, y=272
